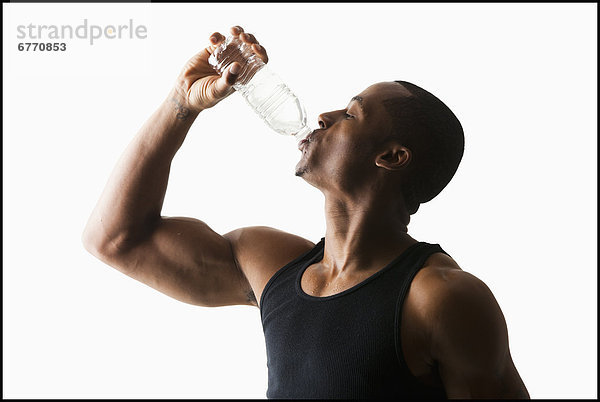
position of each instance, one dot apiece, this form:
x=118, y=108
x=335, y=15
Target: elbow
x=112, y=244
x=93, y=242
x=97, y=243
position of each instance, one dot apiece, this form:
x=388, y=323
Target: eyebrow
x=359, y=99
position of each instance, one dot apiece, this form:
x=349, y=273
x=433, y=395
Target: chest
x=350, y=321
x=331, y=348
x=412, y=339
x=321, y=332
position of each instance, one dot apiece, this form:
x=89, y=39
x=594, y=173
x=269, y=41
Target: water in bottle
x=263, y=90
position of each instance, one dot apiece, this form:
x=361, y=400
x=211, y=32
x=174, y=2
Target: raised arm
x=181, y=257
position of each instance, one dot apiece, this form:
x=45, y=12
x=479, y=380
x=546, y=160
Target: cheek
x=337, y=153
x=340, y=157
x=333, y=150
x=347, y=149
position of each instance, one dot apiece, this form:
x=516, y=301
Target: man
x=367, y=312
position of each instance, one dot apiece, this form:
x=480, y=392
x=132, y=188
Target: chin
x=307, y=175
x=305, y=169
x=300, y=171
x=301, y=167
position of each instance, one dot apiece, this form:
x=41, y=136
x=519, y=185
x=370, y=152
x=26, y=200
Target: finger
x=236, y=30
x=248, y=38
x=233, y=72
x=225, y=82
x=216, y=38
x=261, y=52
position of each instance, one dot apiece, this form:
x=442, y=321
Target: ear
x=394, y=158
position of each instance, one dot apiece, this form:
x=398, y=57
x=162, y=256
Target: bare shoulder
x=460, y=329
x=451, y=303
x=465, y=331
x=459, y=311
x=442, y=280
x=260, y=251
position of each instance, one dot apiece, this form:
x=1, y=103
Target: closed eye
x=348, y=116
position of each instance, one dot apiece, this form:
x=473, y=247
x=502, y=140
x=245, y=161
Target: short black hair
x=434, y=135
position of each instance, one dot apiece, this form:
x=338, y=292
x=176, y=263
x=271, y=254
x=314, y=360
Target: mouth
x=307, y=140
x=301, y=144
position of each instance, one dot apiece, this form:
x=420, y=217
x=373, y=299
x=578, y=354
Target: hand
x=200, y=86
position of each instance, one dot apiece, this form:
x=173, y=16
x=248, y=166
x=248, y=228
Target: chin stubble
x=300, y=171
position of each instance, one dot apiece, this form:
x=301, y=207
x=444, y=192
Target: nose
x=326, y=120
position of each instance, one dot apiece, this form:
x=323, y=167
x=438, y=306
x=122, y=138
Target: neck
x=364, y=234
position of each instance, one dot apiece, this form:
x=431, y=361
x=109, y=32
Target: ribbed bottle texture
x=262, y=89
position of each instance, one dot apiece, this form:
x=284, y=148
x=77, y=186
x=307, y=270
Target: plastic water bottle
x=264, y=91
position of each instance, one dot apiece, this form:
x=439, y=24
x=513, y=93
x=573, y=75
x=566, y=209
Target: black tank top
x=343, y=346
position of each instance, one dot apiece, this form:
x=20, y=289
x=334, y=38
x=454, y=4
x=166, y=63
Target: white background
x=520, y=213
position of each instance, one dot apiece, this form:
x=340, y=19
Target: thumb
x=225, y=82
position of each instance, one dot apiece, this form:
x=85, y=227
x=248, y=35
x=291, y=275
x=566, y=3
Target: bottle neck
x=302, y=133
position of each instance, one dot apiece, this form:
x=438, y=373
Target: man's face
x=341, y=153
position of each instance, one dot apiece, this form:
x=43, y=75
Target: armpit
x=251, y=297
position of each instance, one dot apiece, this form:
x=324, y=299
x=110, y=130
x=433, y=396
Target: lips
x=307, y=140
x=302, y=143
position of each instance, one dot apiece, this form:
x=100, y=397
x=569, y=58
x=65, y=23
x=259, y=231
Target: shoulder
x=458, y=309
x=441, y=286
x=266, y=244
x=260, y=251
x=442, y=280
x=464, y=331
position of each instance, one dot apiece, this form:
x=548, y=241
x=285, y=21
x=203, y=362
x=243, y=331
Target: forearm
x=132, y=199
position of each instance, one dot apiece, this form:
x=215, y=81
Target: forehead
x=381, y=91
x=376, y=99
